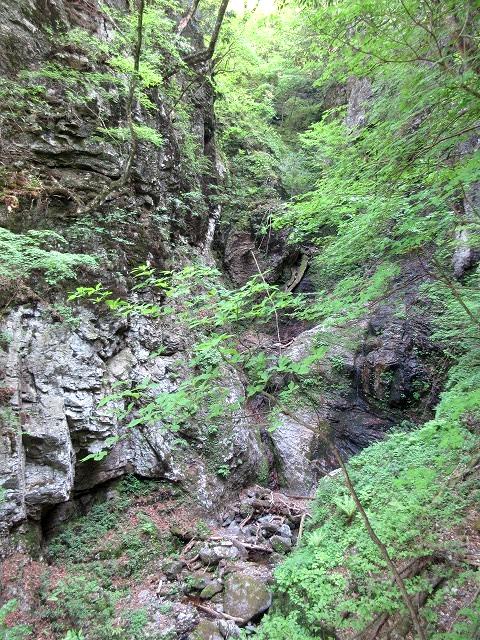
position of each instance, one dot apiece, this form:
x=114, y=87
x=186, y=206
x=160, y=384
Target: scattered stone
x=211, y=590
x=208, y=556
x=281, y=544
x=186, y=618
x=228, y=629
x=242, y=552
x=245, y=597
x=173, y=568
x=275, y=558
x=233, y=529
x=207, y=630
x=251, y=530
x=285, y=531
x=228, y=519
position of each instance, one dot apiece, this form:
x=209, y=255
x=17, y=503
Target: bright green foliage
x=196, y=297
x=38, y=251
x=74, y=635
x=81, y=602
x=260, y=110
x=388, y=188
x=78, y=538
x=161, y=50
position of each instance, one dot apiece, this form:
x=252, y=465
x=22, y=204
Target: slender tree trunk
x=216, y=29
x=207, y=54
x=130, y=104
x=188, y=17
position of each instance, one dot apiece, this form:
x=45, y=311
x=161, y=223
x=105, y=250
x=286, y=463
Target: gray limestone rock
x=359, y=91
x=54, y=377
x=245, y=597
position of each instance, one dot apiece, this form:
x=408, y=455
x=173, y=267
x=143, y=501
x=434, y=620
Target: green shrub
x=336, y=580
x=22, y=254
x=83, y=603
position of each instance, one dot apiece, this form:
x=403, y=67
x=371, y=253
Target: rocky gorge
x=185, y=526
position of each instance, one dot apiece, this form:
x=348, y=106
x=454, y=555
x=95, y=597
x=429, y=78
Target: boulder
x=173, y=568
x=226, y=552
x=295, y=447
x=245, y=597
x=208, y=556
x=211, y=590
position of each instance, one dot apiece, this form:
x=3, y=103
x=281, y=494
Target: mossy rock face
x=245, y=597
x=173, y=568
x=281, y=544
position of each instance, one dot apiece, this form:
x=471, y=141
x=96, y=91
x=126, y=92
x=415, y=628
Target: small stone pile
x=226, y=572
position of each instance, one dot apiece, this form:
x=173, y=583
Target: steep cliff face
x=59, y=98
x=55, y=364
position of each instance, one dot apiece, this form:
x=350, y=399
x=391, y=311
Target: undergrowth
x=416, y=487
x=103, y=534
x=102, y=553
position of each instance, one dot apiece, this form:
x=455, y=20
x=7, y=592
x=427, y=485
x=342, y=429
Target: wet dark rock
x=239, y=246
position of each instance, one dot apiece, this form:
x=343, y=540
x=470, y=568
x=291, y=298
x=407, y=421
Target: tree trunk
x=185, y=21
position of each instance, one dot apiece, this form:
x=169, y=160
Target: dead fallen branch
x=218, y=614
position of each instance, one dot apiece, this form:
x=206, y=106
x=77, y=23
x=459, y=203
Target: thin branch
x=207, y=54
